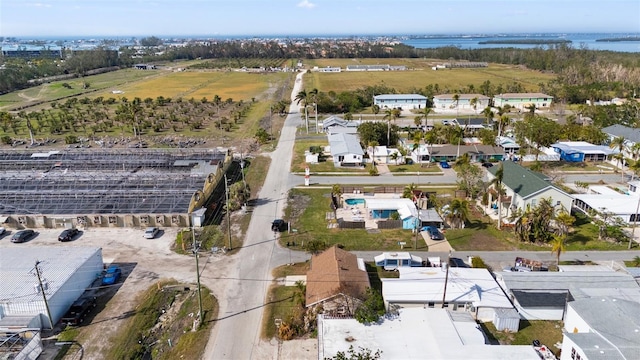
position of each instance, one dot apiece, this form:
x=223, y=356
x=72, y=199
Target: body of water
x=473, y=42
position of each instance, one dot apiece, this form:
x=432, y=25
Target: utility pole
x=195, y=252
x=446, y=279
x=44, y=296
x=226, y=192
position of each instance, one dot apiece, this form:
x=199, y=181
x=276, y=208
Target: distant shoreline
x=526, y=42
x=619, y=39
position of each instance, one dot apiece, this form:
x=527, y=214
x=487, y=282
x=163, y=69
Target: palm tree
x=458, y=213
x=474, y=104
x=424, y=114
x=395, y=156
x=303, y=97
x=497, y=184
x=313, y=95
x=408, y=191
x=564, y=220
x=430, y=138
x=558, y=246
x=618, y=143
x=456, y=99
x=389, y=115
x=375, y=109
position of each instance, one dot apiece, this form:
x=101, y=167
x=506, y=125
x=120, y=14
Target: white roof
x=402, y=205
x=616, y=203
x=57, y=265
x=603, y=190
x=416, y=333
x=398, y=256
x=570, y=268
x=426, y=284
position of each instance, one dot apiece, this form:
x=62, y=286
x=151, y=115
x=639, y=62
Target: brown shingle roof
x=332, y=272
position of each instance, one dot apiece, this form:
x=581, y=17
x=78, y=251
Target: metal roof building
x=66, y=272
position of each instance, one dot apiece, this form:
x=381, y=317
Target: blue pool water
x=354, y=201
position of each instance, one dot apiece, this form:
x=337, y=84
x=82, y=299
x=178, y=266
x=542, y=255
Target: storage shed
x=506, y=320
x=65, y=272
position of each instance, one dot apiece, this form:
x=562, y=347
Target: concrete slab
x=292, y=279
x=436, y=245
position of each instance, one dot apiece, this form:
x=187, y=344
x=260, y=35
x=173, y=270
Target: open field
x=405, y=81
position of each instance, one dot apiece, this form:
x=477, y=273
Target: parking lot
x=143, y=262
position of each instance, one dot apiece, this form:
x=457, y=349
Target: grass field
x=422, y=75
x=547, y=332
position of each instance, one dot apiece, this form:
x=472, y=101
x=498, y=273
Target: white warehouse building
x=66, y=272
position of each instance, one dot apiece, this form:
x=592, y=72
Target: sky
x=48, y=18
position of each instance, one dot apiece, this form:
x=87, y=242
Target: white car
x=2, y=230
x=151, y=232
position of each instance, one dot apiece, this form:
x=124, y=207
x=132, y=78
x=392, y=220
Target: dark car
x=278, y=225
x=22, y=236
x=68, y=234
x=434, y=233
x=457, y=262
x=79, y=310
x=487, y=164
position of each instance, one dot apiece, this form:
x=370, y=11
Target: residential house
x=472, y=125
x=468, y=290
x=400, y=101
x=522, y=101
x=580, y=151
x=385, y=155
x=416, y=334
x=327, y=69
x=345, y=150
x=601, y=328
x=605, y=199
x=385, y=67
x=382, y=209
x=335, y=124
x=477, y=153
x=509, y=145
x=543, y=295
x=526, y=188
x=447, y=102
x=395, y=260
x=336, y=280
x=631, y=136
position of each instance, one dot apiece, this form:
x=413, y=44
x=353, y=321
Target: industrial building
x=65, y=273
x=109, y=187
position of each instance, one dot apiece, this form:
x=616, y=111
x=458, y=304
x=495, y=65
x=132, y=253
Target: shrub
x=7, y=140
x=71, y=139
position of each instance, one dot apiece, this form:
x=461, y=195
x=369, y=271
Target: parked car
x=278, y=225
x=79, y=310
x=516, y=269
x=151, y=232
x=457, y=262
x=112, y=275
x=3, y=232
x=487, y=164
x=22, y=236
x=445, y=165
x=434, y=233
x=68, y=234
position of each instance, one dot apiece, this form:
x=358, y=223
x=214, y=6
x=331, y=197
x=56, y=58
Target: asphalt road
x=236, y=334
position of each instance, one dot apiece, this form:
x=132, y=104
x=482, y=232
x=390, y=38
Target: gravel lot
x=143, y=261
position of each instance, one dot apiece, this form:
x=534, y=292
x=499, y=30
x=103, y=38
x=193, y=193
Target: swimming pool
x=354, y=201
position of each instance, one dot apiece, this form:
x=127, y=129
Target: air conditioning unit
x=97, y=220
x=113, y=219
x=159, y=219
x=175, y=219
x=144, y=219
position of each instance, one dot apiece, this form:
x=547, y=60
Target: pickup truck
x=79, y=310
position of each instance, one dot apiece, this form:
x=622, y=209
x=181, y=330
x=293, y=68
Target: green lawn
x=420, y=75
x=415, y=168
x=279, y=305
x=547, y=332
x=307, y=210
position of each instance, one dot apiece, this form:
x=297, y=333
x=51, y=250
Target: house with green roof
x=525, y=187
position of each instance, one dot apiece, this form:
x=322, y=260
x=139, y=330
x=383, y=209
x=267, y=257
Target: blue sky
x=302, y=17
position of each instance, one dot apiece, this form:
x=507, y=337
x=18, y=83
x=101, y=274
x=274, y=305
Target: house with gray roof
x=345, y=150
x=601, y=328
x=526, y=188
x=523, y=100
x=335, y=124
x=631, y=136
x=543, y=295
x=400, y=101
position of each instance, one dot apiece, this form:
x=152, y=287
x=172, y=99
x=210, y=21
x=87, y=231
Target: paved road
x=236, y=334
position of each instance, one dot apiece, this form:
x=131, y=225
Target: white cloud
x=306, y=4
x=39, y=5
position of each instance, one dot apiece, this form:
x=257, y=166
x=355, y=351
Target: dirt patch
x=296, y=205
